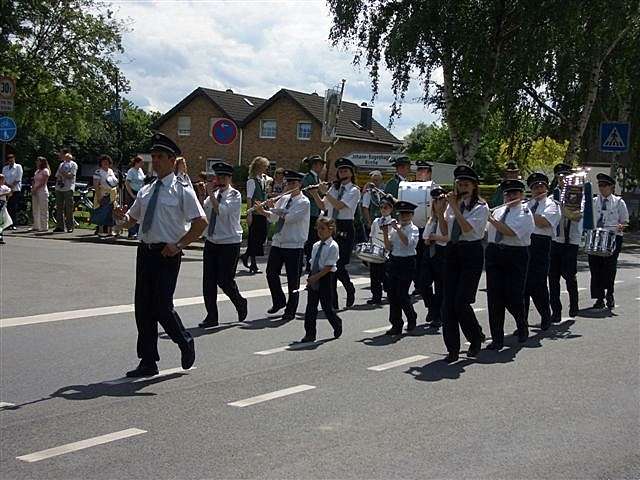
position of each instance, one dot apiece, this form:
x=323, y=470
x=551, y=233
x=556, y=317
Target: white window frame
x=261, y=128
x=184, y=132
x=305, y=122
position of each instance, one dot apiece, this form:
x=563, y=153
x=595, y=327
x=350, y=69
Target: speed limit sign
x=7, y=87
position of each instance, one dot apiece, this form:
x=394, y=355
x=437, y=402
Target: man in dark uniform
x=316, y=164
x=403, y=167
x=171, y=218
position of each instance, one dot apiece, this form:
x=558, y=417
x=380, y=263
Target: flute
x=276, y=198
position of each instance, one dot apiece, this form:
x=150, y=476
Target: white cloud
x=254, y=47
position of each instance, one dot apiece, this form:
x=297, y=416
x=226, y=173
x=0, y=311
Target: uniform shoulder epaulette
x=183, y=182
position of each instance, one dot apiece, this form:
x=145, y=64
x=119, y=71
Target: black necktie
x=602, y=210
x=280, y=223
x=502, y=220
x=214, y=217
x=456, y=231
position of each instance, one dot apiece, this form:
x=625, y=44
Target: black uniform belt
x=465, y=242
x=541, y=237
x=152, y=246
x=501, y=246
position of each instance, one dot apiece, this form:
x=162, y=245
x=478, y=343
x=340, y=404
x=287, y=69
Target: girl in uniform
x=376, y=270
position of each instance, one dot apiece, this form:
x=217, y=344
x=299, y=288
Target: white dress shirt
x=228, y=229
x=328, y=256
x=376, y=235
x=434, y=227
x=296, y=221
x=519, y=219
x=350, y=198
x=398, y=248
x=177, y=206
x=549, y=209
x=575, y=229
x=13, y=174
x=615, y=213
x=477, y=217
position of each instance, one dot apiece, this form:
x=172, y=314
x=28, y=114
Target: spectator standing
x=133, y=183
x=278, y=183
x=105, y=184
x=181, y=170
x=12, y=172
x=5, y=218
x=40, y=195
x=65, y=186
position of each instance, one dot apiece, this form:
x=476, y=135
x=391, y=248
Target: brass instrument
x=572, y=193
x=278, y=197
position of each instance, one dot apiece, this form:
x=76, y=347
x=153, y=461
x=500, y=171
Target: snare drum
x=599, y=241
x=369, y=252
x=418, y=193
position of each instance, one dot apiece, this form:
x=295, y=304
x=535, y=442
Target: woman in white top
x=105, y=184
x=40, y=196
x=466, y=220
x=507, y=258
x=257, y=222
x=432, y=271
x=401, y=242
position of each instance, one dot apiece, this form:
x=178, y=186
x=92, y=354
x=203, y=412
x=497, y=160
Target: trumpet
x=287, y=192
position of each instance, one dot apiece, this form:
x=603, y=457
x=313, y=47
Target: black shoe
x=411, y=322
x=522, y=337
x=244, y=260
x=61, y=230
x=337, y=332
x=573, y=312
x=374, y=301
x=436, y=324
x=143, y=370
x=599, y=305
x=254, y=269
x=208, y=323
x=275, y=309
x=611, y=304
x=306, y=339
x=12, y=227
x=556, y=318
x=393, y=331
x=351, y=296
x=243, y=310
x=288, y=316
x=2, y=242
x=544, y=326
x=69, y=230
x=452, y=357
x=474, y=349
x=188, y=355
x=495, y=346
x=483, y=337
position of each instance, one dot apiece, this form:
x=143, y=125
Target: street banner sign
x=8, y=129
x=614, y=137
x=224, y=131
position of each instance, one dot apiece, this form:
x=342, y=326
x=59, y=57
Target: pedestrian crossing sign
x=614, y=136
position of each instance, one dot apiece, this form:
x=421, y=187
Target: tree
x=430, y=143
x=62, y=54
x=479, y=45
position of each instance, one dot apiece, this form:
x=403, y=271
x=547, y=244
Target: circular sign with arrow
x=224, y=131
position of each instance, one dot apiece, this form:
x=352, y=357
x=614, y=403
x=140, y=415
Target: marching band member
x=564, y=254
x=403, y=167
x=610, y=213
x=291, y=216
x=432, y=272
x=256, y=192
x=546, y=216
x=371, y=198
x=466, y=219
x=320, y=284
x=401, y=243
x=341, y=202
x=377, y=270
x=423, y=174
x=170, y=218
x=507, y=256
x=222, y=246
x=316, y=165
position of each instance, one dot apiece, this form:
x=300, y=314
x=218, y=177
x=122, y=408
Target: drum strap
x=602, y=210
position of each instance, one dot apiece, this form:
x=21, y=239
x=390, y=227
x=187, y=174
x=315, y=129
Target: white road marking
x=293, y=346
x=580, y=289
x=618, y=281
x=81, y=445
x=161, y=373
x=4, y=405
x=387, y=327
x=397, y=363
x=270, y=396
x=118, y=309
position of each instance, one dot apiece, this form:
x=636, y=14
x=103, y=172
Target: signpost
x=224, y=131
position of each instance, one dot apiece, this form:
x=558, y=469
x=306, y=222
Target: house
x=284, y=128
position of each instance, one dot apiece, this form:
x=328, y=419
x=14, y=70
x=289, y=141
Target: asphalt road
x=564, y=405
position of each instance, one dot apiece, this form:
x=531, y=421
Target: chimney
x=228, y=90
x=366, y=117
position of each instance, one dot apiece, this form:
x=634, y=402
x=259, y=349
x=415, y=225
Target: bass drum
x=418, y=193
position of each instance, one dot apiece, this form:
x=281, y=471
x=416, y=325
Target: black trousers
x=12, y=206
x=400, y=272
x=257, y=236
x=506, y=268
x=345, y=234
x=291, y=258
x=431, y=283
x=323, y=294
x=376, y=275
x=219, y=270
x=156, y=278
x=420, y=248
x=312, y=237
x=603, y=272
x=563, y=262
x=537, y=277
x=462, y=272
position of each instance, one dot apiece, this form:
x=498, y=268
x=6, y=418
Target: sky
x=254, y=47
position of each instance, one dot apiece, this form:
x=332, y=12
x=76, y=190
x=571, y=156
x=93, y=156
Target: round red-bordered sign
x=224, y=131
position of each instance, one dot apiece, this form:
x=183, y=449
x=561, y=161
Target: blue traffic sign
x=8, y=129
x=614, y=136
x=224, y=131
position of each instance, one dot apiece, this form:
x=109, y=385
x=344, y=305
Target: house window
x=304, y=130
x=268, y=128
x=184, y=126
